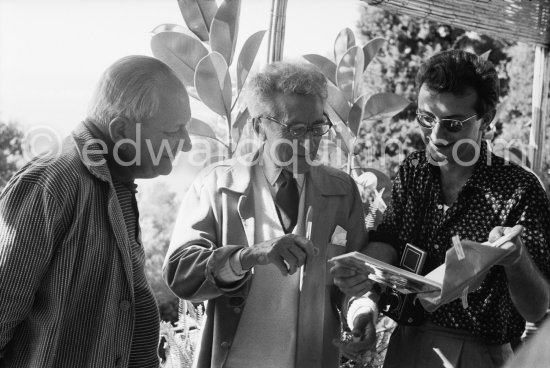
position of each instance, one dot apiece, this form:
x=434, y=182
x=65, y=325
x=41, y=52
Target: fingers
x=299, y=257
x=342, y=271
x=350, y=281
x=496, y=233
x=305, y=244
x=516, y=228
x=291, y=260
x=281, y=265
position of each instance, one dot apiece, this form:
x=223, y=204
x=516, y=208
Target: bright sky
x=53, y=52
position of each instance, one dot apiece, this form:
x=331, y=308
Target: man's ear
x=487, y=119
x=118, y=128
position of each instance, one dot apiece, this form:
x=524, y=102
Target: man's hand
x=364, y=336
x=350, y=280
x=517, y=253
x=287, y=253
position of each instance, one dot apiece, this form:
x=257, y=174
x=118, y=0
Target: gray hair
x=284, y=78
x=130, y=88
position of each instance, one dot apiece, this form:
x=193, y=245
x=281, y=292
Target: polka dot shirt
x=497, y=194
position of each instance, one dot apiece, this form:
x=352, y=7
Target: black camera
x=405, y=309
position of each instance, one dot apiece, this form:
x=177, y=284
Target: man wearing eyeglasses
x=457, y=187
x=254, y=235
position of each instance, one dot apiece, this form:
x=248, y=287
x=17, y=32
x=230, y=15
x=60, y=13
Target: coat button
x=237, y=310
x=124, y=305
x=225, y=345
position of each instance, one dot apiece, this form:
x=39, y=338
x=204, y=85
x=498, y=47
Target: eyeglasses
x=452, y=125
x=298, y=130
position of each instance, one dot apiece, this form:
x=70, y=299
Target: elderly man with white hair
x=73, y=291
x=243, y=240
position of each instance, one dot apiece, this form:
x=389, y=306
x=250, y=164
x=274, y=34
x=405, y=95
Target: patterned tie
x=286, y=201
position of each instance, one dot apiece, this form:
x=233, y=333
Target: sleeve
x=29, y=231
x=532, y=211
x=393, y=217
x=195, y=260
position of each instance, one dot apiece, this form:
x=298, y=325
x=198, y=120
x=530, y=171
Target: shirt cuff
x=359, y=306
x=232, y=270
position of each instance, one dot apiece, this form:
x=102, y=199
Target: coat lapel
x=235, y=187
x=314, y=298
x=94, y=161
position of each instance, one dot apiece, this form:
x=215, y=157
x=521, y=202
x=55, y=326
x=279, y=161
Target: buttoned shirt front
x=497, y=194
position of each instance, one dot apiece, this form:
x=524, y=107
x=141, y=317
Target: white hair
x=285, y=78
x=130, y=88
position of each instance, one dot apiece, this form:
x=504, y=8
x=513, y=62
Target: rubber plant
x=202, y=53
x=345, y=75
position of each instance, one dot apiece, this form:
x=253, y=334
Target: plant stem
x=229, y=140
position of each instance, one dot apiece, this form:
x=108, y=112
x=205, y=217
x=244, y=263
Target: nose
x=186, y=147
x=438, y=133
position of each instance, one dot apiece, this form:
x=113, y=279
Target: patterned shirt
x=497, y=194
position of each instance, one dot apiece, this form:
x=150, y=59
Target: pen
x=308, y=235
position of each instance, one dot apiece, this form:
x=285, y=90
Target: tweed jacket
x=66, y=295
x=217, y=219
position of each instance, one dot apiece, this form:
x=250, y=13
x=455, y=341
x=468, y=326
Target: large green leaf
x=198, y=15
x=345, y=139
x=247, y=56
x=224, y=30
x=200, y=128
x=343, y=42
x=349, y=74
x=371, y=49
x=356, y=114
x=239, y=124
x=171, y=27
x=213, y=84
x=384, y=105
x=338, y=102
x=178, y=50
x=327, y=67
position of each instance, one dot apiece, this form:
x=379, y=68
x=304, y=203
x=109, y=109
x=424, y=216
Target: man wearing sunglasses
x=457, y=187
x=254, y=235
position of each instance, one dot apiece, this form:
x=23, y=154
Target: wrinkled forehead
x=446, y=102
x=292, y=105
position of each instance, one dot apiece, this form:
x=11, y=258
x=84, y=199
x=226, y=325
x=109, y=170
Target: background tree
x=11, y=154
x=412, y=40
x=158, y=207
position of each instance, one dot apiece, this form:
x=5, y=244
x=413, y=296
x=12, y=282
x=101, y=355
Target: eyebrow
x=452, y=116
x=318, y=121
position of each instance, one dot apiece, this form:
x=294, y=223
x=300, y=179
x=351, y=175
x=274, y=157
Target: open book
x=397, y=278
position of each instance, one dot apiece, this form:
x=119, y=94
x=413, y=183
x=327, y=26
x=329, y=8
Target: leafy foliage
x=11, y=152
x=348, y=105
x=202, y=55
x=158, y=207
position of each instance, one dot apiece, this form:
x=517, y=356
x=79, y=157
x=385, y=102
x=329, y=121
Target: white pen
x=308, y=235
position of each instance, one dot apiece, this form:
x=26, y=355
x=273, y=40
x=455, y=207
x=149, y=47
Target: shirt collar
x=272, y=172
x=480, y=176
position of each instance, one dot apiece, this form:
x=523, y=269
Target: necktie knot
x=286, y=201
